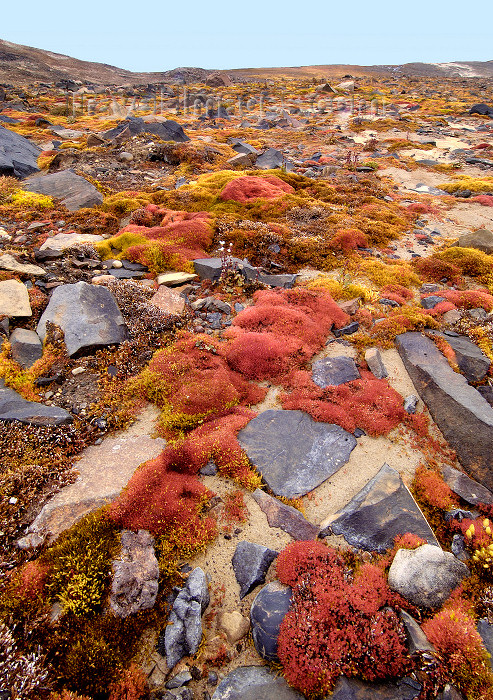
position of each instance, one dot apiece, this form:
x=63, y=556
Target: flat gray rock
x=472, y=361
x=135, y=574
x=353, y=689
x=485, y=629
x=266, y=614
x=74, y=191
x=293, y=453
x=481, y=240
x=375, y=363
x=14, y=407
x=285, y=517
x=250, y=564
x=14, y=299
x=62, y=241
x=8, y=262
x=426, y=576
x=462, y=414
x=465, y=487
x=18, y=155
x=25, y=347
x=383, y=509
x=254, y=683
x=270, y=159
x=87, y=314
x=417, y=641
x=332, y=371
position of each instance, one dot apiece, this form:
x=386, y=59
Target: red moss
x=31, y=581
x=367, y=403
x=337, y=624
x=131, y=686
x=349, y=239
x=430, y=487
x=486, y=200
x=470, y=299
x=435, y=270
x=398, y=290
x=249, y=188
x=421, y=208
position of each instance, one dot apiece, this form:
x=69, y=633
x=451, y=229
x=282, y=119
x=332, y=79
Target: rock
x=411, y=403
x=383, y=509
x=346, y=330
x=266, y=614
x=465, y=487
x=87, y=314
x=285, y=517
x=135, y=574
x=294, y=453
x=431, y=302
x=242, y=147
x=25, y=346
x=270, y=160
x=426, y=576
x=472, y=362
x=74, y=191
x=462, y=414
x=349, y=307
x=481, y=240
x=234, y=626
x=353, y=689
x=375, y=364
x=417, y=640
x=96, y=486
x=62, y=241
x=450, y=693
x=481, y=108
x=8, y=262
x=14, y=299
x=175, y=279
x=18, y=155
x=183, y=634
x=254, y=683
x=169, y=301
x=179, y=680
x=168, y=130
x=251, y=563
x=255, y=274
x=211, y=268
x=242, y=160
x=485, y=629
x=14, y=407
x=452, y=316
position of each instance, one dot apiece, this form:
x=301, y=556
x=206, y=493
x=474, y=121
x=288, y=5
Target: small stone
x=14, y=299
x=285, y=517
x=179, y=680
x=8, y=262
x=25, y=346
x=431, y=302
x=416, y=638
x=117, y=264
x=135, y=574
x=411, y=403
x=174, y=279
x=78, y=370
x=374, y=361
x=168, y=300
x=332, y=371
x=251, y=563
x=266, y=614
x=234, y=626
x=62, y=241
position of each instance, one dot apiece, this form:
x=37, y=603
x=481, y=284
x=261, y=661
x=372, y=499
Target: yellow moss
x=123, y=203
x=339, y=290
x=464, y=182
x=397, y=272
x=116, y=247
x=471, y=262
x=30, y=200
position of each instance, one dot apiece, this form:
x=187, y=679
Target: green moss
x=116, y=247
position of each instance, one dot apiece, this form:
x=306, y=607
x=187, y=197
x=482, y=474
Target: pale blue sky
x=154, y=36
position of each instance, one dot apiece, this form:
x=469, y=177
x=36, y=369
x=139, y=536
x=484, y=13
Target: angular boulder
x=87, y=314
x=18, y=156
x=74, y=191
x=332, y=371
x=354, y=689
x=426, y=576
x=250, y=564
x=167, y=130
x=472, y=361
x=25, y=346
x=183, y=634
x=293, y=453
x=14, y=407
x=266, y=614
x=465, y=487
x=135, y=574
x=462, y=414
x=285, y=517
x=481, y=240
x=383, y=509
x=14, y=299
x=254, y=683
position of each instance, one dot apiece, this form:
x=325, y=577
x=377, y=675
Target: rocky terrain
x=246, y=397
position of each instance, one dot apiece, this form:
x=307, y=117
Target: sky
x=159, y=36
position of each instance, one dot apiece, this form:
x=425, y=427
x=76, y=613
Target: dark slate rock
x=285, y=517
x=353, y=689
x=270, y=159
x=179, y=680
x=255, y=274
x=472, y=362
x=431, y=302
x=383, y=509
x=14, y=407
x=293, y=453
x=254, y=683
x=417, y=640
x=123, y=274
x=462, y=414
x=346, y=330
x=183, y=634
x=18, y=156
x=485, y=629
x=25, y=346
x=487, y=393
x=481, y=108
x=242, y=147
x=332, y=371
x=465, y=487
x=458, y=547
x=211, y=268
x=250, y=564
x=168, y=130
x=74, y=191
x=87, y=314
x=266, y=614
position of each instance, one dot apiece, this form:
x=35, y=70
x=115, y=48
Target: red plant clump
x=465, y=660
x=349, y=239
x=281, y=331
x=131, y=686
x=441, y=308
x=249, y=188
x=421, y=208
x=401, y=294
x=486, y=200
x=430, y=487
x=435, y=270
x=367, y=403
x=338, y=624
x=470, y=299
x=31, y=580
x=193, y=382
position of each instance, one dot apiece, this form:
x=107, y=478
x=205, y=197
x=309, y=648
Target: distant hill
x=24, y=65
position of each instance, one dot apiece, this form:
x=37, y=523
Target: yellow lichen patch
x=395, y=272
x=30, y=200
x=123, y=203
x=464, y=182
